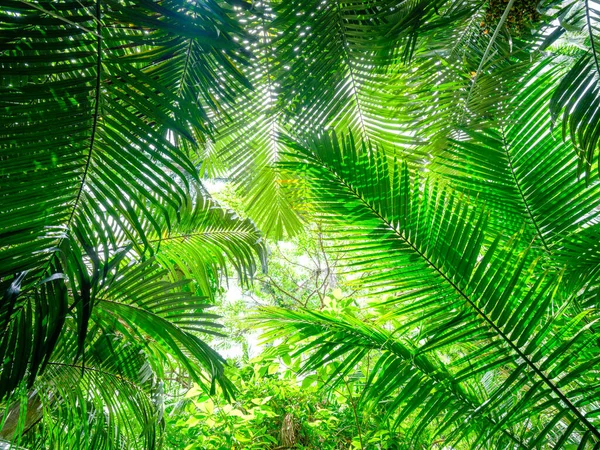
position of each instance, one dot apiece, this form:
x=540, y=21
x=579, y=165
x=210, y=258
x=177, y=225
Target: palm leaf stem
x=350, y=69
x=96, y=109
x=521, y=193
x=98, y=34
x=487, y=52
x=188, y=55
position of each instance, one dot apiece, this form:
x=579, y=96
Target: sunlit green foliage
x=430, y=166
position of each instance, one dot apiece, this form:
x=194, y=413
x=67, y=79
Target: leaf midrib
x=350, y=68
x=96, y=111
x=591, y=34
x=521, y=193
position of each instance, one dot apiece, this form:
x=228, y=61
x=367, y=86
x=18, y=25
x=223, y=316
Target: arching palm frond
x=108, y=386
x=95, y=109
x=246, y=147
x=334, y=74
x=113, y=400
x=405, y=381
x=450, y=285
x=141, y=305
x=577, y=98
x=524, y=171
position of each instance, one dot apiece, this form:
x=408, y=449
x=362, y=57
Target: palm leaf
x=246, y=147
x=402, y=379
x=509, y=168
x=335, y=77
x=426, y=249
x=91, y=164
x=576, y=97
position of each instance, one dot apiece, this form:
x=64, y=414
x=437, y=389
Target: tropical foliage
x=268, y=411
x=445, y=152
x=111, y=249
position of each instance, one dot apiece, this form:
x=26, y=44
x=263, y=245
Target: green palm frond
x=576, y=98
x=33, y=318
x=463, y=75
x=107, y=166
x=419, y=243
x=140, y=325
x=402, y=379
x=246, y=147
x=461, y=80
x=88, y=128
x=141, y=305
x=334, y=76
x=113, y=399
x=524, y=171
x=95, y=174
x=410, y=23
x=204, y=240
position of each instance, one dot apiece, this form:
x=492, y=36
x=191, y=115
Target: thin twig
x=362, y=446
